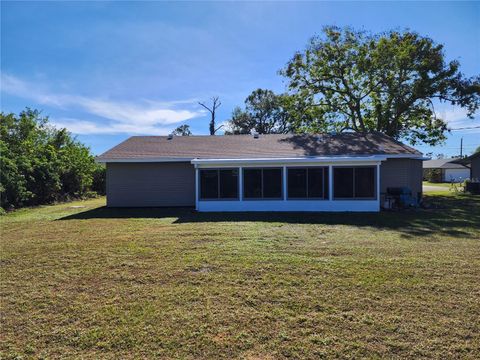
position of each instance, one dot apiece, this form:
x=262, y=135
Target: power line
x=466, y=128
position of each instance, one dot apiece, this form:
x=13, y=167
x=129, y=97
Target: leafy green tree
x=264, y=113
x=40, y=164
x=387, y=82
x=182, y=130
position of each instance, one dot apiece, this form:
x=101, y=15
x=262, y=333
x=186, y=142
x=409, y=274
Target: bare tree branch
x=215, y=105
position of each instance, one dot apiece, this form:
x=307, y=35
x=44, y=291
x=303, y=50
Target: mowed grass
x=442, y=184
x=93, y=282
x=447, y=185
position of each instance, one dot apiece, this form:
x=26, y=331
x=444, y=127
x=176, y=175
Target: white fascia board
x=304, y=160
x=322, y=159
x=142, y=160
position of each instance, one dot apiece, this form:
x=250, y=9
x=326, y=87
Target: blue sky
x=109, y=70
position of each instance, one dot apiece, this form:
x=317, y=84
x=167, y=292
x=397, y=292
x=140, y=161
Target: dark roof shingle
x=265, y=146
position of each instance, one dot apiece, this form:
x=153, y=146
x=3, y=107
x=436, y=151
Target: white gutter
x=142, y=160
x=287, y=160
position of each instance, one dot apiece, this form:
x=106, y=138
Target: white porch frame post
x=240, y=183
x=196, y=187
x=284, y=183
x=330, y=183
x=378, y=185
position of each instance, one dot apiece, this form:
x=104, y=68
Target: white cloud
x=453, y=115
x=456, y=118
x=83, y=127
x=224, y=126
x=144, y=117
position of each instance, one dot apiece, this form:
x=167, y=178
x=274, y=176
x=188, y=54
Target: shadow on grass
x=448, y=215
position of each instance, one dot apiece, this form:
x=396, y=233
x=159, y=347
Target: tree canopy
x=40, y=164
x=386, y=82
x=264, y=113
x=182, y=130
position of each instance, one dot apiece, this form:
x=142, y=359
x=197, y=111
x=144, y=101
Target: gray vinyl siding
x=400, y=173
x=150, y=184
x=475, y=167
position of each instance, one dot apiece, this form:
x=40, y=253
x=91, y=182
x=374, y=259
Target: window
x=262, y=183
x=354, y=182
x=219, y=184
x=308, y=183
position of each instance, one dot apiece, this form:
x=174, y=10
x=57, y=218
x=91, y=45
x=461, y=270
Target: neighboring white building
x=450, y=171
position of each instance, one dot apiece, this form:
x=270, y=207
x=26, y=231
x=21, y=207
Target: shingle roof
x=442, y=164
x=265, y=146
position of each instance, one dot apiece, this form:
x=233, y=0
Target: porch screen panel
x=272, y=183
x=343, y=183
x=308, y=183
x=297, y=183
x=252, y=182
x=208, y=184
x=354, y=182
x=315, y=183
x=365, y=182
x=262, y=183
x=228, y=184
x=218, y=184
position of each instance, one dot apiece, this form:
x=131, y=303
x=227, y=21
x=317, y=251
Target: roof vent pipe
x=255, y=135
x=170, y=136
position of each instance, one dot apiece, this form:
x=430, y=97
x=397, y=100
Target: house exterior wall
x=475, y=167
x=402, y=173
x=150, y=184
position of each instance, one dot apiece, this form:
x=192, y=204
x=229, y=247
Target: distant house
x=328, y=172
x=448, y=170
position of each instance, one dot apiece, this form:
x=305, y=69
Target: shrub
x=433, y=175
x=41, y=164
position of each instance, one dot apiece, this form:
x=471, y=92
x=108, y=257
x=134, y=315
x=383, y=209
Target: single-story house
x=449, y=170
x=328, y=172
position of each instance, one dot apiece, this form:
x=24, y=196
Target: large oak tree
x=388, y=82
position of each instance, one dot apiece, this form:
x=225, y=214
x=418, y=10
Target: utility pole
x=461, y=147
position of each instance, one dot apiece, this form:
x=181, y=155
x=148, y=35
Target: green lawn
x=445, y=184
x=91, y=282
